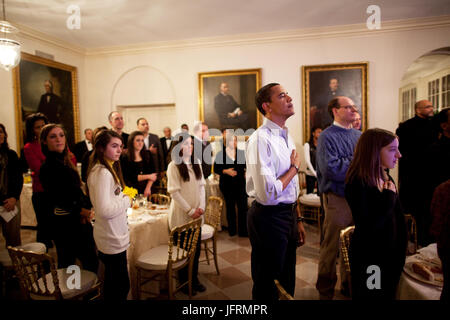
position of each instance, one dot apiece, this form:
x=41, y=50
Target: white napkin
x=8, y=215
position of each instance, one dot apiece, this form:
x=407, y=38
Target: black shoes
x=199, y=287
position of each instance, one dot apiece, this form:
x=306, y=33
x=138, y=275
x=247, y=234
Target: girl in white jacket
x=111, y=233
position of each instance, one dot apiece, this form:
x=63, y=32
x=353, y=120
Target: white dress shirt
x=88, y=145
x=268, y=155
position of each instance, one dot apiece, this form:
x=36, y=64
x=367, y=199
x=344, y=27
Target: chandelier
x=9, y=47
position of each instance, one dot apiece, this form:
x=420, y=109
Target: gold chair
x=36, y=284
x=345, y=238
x=412, y=230
x=282, y=294
x=6, y=264
x=162, y=188
x=159, y=198
x=162, y=263
x=211, y=227
x=309, y=204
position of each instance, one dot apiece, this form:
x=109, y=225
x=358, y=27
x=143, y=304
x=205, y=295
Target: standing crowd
x=347, y=168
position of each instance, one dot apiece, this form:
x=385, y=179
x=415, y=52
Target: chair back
x=302, y=182
x=159, y=198
x=412, y=230
x=345, y=238
x=31, y=268
x=282, y=293
x=213, y=211
x=186, y=237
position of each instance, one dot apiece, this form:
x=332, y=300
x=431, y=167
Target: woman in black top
x=230, y=166
x=72, y=209
x=11, y=182
x=137, y=165
x=378, y=245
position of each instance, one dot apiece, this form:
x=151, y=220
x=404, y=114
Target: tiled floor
x=234, y=281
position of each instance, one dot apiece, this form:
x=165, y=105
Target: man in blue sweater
x=334, y=153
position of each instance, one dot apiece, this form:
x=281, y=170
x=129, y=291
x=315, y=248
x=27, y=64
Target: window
x=433, y=93
x=408, y=101
x=445, y=92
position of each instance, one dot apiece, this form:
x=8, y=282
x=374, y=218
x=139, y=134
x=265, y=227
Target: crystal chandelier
x=9, y=47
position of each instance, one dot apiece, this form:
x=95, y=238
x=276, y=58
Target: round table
x=148, y=229
x=410, y=288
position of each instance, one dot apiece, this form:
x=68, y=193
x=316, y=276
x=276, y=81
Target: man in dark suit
x=230, y=113
x=320, y=116
x=50, y=104
x=202, y=148
x=116, y=121
x=416, y=136
x=82, y=147
x=152, y=143
x=166, y=144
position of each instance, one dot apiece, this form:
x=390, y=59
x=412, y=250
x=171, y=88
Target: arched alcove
x=428, y=77
x=145, y=91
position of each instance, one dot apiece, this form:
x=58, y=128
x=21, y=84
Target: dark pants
x=183, y=274
x=44, y=214
x=233, y=197
x=273, y=235
x=116, y=283
x=11, y=229
x=74, y=240
x=310, y=184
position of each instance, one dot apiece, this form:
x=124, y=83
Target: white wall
x=389, y=54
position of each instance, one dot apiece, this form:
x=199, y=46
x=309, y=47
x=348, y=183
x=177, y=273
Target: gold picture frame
x=320, y=83
x=30, y=95
x=214, y=105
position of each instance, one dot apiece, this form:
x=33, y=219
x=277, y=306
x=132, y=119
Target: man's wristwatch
x=296, y=167
x=300, y=219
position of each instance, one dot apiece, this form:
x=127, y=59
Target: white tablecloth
x=28, y=216
x=412, y=289
x=146, y=231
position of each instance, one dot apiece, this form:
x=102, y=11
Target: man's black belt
x=284, y=206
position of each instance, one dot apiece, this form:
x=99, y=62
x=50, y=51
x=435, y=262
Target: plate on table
x=431, y=266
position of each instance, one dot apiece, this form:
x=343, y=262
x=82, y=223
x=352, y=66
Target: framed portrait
x=49, y=87
x=322, y=83
x=227, y=99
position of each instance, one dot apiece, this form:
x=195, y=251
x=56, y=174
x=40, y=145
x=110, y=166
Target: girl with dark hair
x=186, y=185
x=230, y=166
x=11, y=182
x=72, y=212
x=137, y=165
x=309, y=149
x=111, y=234
x=35, y=158
x=379, y=238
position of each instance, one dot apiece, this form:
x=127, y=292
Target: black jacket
x=14, y=176
x=63, y=185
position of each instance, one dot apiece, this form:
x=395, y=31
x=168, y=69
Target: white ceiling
x=107, y=23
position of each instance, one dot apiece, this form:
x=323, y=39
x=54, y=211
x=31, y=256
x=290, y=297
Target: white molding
x=247, y=39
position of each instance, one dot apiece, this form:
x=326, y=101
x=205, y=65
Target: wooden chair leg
x=215, y=253
x=170, y=283
x=205, y=243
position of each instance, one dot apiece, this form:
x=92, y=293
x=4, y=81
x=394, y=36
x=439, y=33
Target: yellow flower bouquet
x=131, y=192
